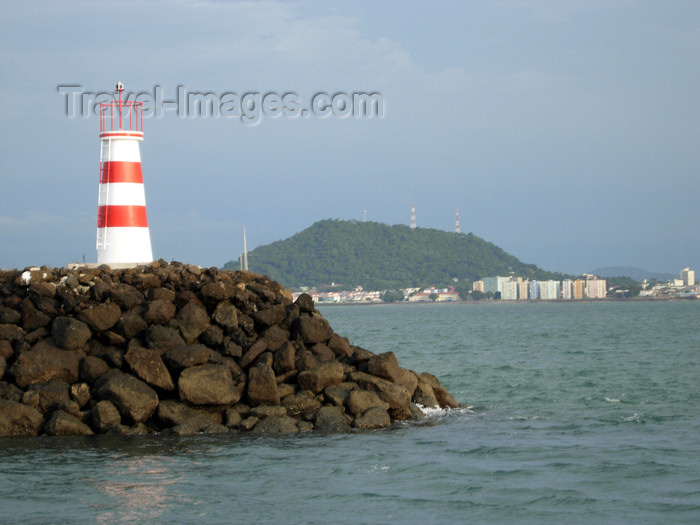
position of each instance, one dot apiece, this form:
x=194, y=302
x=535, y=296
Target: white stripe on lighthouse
x=123, y=194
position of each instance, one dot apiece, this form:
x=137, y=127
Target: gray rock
x=101, y=317
x=134, y=399
x=314, y=329
x=173, y=413
x=216, y=292
x=331, y=420
x=299, y=404
x=91, y=368
x=275, y=337
x=125, y=295
x=208, y=385
x=385, y=366
x=105, y=415
x=276, y=425
x=159, y=311
x=318, y=378
x=270, y=316
x=45, y=395
x=252, y=353
x=444, y=398
x=44, y=362
x=69, y=333
x=397, y=396
x=424, y=395
x=17, y=419
x=360, y=401
x=163, y=338
x=283, y=358
x=8, y=315
x=375, y=417
x=225, y=314
x=340, y=346
x=63, y=424
x=305, y=303
x=80, y=393
x=191, y=320
x=262, y=386
x=147, y=364
x=185, y=356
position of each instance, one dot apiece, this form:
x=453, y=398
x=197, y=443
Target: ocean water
x=579, y=413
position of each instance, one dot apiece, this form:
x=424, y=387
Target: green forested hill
x=378, y=257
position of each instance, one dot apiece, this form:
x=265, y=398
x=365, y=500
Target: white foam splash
x=612, y=400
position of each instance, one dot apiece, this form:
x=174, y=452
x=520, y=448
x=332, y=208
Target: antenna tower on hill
x=413, y=216
x=458, y=229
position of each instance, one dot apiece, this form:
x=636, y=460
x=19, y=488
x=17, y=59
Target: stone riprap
x=178, y=349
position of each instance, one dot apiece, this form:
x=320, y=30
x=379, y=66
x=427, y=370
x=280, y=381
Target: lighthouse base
x=124, y=246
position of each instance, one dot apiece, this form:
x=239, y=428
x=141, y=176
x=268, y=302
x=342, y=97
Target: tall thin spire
x=364, y=214
x=413, y=216
x=244, y=258
x=458, y=228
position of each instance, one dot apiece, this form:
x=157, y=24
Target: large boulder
x=331, y=420
x=185, y=356
x=318, y=378
x=69, y=333
x=397, y=396
x=63, y=424
x=385, y=366
x=360, y=401
x=104, y=415
x=43, y=396
x=225, y=314
x=173, y=412
x=147, y=364
x=44, y=362
x=191, y=320
x=375, y=417
x=17, y=419
x=208, y=384
x=163, y=338
x=159, y=311
x=135, y=400
x=262, y=386
x=444, y=398
x=276, y=425
x=314, y=329
x=101, y=317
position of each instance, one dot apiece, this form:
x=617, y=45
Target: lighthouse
x=122, y=228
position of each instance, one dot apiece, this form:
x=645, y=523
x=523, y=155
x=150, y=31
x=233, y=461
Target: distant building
x=509, y=290
x=579, y=289
x=595, y=288
x=688, y=277
x=478, y=286
x=549, y=290
x=534, y=290
x=523, y=289
x=567, y=289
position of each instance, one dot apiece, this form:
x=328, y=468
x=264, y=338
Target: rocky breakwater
x=178, y=349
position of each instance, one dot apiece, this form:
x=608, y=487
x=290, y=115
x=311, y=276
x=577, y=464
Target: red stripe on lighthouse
x=121, y=171
x=121, y=217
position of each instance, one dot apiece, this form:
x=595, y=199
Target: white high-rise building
x=596, y=288
x=688, y=277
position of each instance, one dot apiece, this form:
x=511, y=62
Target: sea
x=577, y=412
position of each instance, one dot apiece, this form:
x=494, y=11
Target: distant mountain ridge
x=638, y=274
x=378, y=256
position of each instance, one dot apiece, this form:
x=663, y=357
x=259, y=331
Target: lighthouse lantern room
x=122, y=228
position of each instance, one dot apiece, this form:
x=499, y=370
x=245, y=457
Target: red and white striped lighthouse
x=122, y=227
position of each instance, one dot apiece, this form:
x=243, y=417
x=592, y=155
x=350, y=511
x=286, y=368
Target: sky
x=566, y=133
